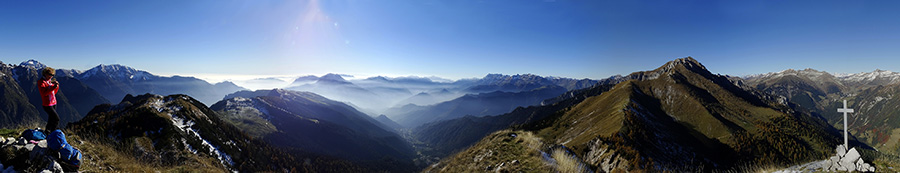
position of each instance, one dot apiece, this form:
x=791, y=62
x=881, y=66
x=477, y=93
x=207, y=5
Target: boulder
x=859, y=163
x=862, y=167
x=842, y=168
x=850, y=157
x=827, y=164
x=841, y=150
x=834, y=162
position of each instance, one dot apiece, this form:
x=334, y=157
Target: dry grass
x=498, y=152
x=567, y=163
x=758, y=168
x=102, y=157
x=12, y=133
x=529, y=140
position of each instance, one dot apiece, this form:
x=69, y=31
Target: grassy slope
x=499, y=152
x=705, y=112
x=680, y=114
x=446, y=137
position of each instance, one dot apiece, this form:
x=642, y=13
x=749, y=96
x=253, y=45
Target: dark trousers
x=52, y=118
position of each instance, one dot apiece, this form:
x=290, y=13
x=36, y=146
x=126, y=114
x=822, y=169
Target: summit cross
x=845, y=110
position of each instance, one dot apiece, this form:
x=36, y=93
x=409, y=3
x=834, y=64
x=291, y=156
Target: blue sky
x=451, y=38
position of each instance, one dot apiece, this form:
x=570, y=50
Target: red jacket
x=48, y=92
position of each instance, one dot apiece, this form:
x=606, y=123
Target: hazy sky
x=451, y=38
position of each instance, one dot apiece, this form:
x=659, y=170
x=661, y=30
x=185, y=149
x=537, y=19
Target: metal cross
x=845, y=111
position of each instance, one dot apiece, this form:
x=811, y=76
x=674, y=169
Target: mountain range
x=17, y=110
x=516, y=83
x=81, y=91
x=179, y=133
x=678, y=117
x=441, y=138
x=384, y=95
x=309, y=122
x=23, y=101
x=678, y=114
x=493, y=103
x=873, y=95
x=115, y=81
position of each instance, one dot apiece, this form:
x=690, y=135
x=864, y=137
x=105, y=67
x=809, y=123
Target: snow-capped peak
x=33, y=63
x=117, y=71
x=878, y=74
x=808, y=72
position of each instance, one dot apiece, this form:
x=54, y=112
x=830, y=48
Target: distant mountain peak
x=225, y=83
x=117, y=71
x=228, y=85
x=808, y=72
x=113, y=67
x=304, y=80
x=333, y=78
x=294, y=95
x=885, y=76
x=494, y=75
x=379, y=78
x=686, y=62
x=33, y=63
x=404, y=79
x=810, y=69
x=793, y=71
x=516, y=76
x=422, y=94
x=689, y=64
x=507, y=78
x=308, y=77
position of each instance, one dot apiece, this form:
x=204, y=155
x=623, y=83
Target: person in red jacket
x=48, y=86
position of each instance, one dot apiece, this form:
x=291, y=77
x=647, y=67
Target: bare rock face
x=847, y=160
x=607, y=160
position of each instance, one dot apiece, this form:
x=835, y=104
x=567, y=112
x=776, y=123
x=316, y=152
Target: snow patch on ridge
x=185, y=125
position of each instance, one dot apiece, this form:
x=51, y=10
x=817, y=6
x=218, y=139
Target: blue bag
x=32, y=134
x=69, y=156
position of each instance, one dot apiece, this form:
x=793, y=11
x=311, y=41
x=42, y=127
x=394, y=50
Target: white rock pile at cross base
x=846, y=160
x=843, y=160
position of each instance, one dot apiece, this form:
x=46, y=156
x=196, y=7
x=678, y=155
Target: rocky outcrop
x=606, y=159
x=26, y=156
x=847, y=160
